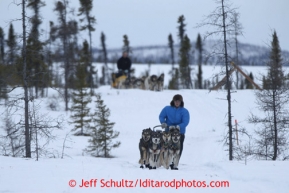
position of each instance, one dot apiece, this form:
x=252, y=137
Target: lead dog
x=174, y=148
x=144, y=144
x=165, y=143
x=155, y=149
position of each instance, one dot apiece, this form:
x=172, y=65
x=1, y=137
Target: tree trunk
x=26, y=100
x=275, y=134
x=228, y=87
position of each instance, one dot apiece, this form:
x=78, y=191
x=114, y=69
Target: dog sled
x=160, y=148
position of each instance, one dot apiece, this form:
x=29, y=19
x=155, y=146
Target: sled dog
x=174, y=149
x=151, y=82
x=154, y=149
x=138, y=83
x=160, y=82
x=118, y=82
x=165, y=143
x=144, y=143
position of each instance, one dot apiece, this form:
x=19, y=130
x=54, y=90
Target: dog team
x=160, y=148
x=164, y=148
x=123, y=81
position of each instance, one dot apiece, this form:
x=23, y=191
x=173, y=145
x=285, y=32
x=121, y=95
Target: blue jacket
x=175, y=116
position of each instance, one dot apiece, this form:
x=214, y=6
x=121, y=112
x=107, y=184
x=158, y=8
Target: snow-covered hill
x=249, y=54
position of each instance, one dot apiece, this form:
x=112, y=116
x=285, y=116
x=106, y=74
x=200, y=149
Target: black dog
x=144, y=143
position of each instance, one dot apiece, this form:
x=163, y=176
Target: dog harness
x=158, y=146
x=175, y=146
x=166, y=145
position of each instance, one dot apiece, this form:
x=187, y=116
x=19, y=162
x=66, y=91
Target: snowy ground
x=204, y=158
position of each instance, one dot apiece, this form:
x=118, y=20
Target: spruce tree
x=126, y=48
x=85, y=10
x=173, y=83
x=102, y=133
x=3, y=85
x=35, y=57
x=185, y=71
x=105, y=76
x=66, y=32
x=11, y=43
x=2, y=45
x=271, y=141
x=81, y=97
x=248, y=84
x=171, y=46
x=199, y=47
x=3, y=82
x=182, y=30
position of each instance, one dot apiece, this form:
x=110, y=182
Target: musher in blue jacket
x=176, y=115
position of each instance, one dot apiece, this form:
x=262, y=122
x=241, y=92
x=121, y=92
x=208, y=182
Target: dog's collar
x=158, y=145
x=166, y=144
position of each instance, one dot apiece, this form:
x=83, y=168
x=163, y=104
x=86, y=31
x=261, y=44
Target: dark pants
x=182, y=142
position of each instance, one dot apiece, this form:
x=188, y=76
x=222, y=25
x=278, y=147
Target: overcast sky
x=149, y=22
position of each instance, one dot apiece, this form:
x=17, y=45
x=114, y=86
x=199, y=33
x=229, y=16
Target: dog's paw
x=150, y=167
x=147, y=165
x=141, y=167
x=175, y=169
x=172, y=165
x=154, y=168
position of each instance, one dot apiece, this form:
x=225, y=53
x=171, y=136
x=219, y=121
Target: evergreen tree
x=171, y=46
x=2, y=45
x=73, y=52
x=3, y=82
x=199, y=47
x=3, y=85
x=81, y=96
x=273, y=99
x=126, y=48
x=85, y=10
x=35, y=57
x=65, y=32
x=181, y=28
x=11, y=43
x=248, y=84
x=105, y=73
x=102, y=132
x=173, y=83
x=185, y=71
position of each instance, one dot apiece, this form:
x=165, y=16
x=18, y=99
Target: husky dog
x=138, y=83
x=174, y=149
x=143, y=145
x=155, y=149
x=165, y=143
x=173, y=128
x=151, y=82
x=160, y=82
x=118, y=80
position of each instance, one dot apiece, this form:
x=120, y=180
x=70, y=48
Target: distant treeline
x=250, y=55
